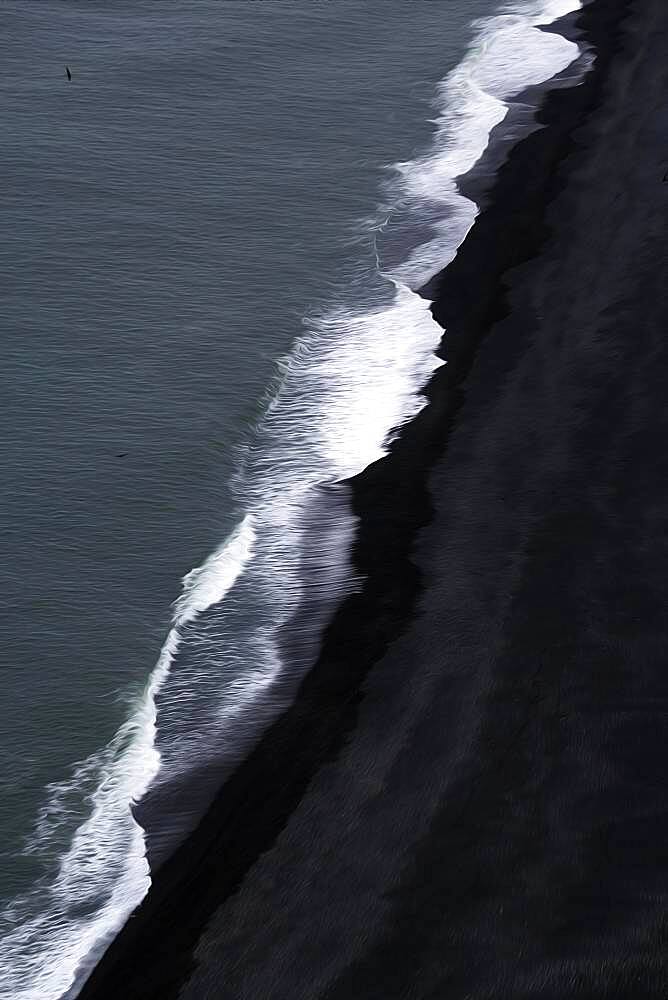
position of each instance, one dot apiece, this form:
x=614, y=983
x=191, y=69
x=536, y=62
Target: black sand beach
x=468, y=798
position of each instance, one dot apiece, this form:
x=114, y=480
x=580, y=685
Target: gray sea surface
x=170, y=215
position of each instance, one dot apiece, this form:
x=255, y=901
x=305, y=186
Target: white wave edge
x=472, y=100
x=107, y=854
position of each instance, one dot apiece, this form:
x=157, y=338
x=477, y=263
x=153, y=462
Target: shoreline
x=153, y=955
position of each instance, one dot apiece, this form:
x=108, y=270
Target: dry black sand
x=469, y=797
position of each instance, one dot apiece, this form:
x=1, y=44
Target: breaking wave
x=351, y=379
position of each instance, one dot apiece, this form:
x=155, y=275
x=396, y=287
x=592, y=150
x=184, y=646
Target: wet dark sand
x=469, y=797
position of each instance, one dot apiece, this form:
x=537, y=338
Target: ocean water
x=213, y=239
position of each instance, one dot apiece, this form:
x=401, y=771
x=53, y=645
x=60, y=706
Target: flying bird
x=69, y=75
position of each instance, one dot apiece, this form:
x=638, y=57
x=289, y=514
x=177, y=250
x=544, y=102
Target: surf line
x=105, y=864
x=47, y=955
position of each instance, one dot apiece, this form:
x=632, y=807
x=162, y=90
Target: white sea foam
x=510, y=54
x=104, y=873
x=350, y=380
x=209, y=583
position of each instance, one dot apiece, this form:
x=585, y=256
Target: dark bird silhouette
x=69, y=75
x=122, y=454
